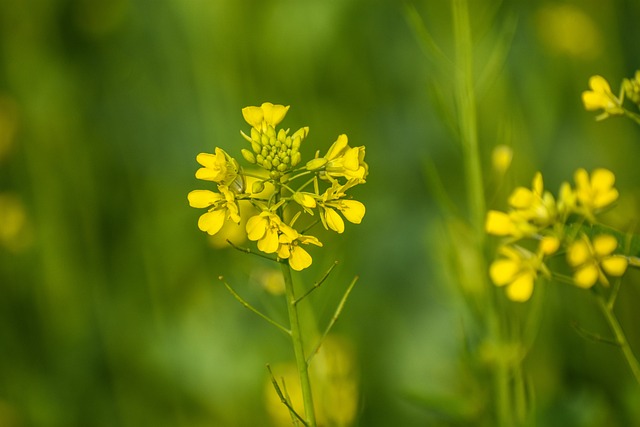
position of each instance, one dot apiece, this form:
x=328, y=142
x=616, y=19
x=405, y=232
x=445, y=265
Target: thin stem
x=317, y=284
x=253, y=309
x=465, y=98
x=284, y=398
x=612, y=320
x=334, y=319
x=298, y=347
x=632, y=116
x=249, y=251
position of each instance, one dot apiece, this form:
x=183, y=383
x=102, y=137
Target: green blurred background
x=111, y=313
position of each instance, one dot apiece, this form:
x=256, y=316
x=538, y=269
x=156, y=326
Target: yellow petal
x=334, y=220
x=269, y=242
x=521, y=289
x=499, y=224
x=594, y=101
x=273, y=114
x=599, y=84
x=211, y=222
x=549, y=245
x=521, y=198
x=604, y=244
x=352, y=210
x=586, y=276
x=606, y=198
x=538, y=184
x=256, y=227
x=615, y=265
x=336, y=148
x=602, y=179
x=299, y=259
x=253, y=116
x=578, y=253
x=202, y=198
x=502, y=271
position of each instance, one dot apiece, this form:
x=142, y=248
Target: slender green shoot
x=253, y=309
x=334, y=319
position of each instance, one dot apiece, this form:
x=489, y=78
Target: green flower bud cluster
x=274, y=151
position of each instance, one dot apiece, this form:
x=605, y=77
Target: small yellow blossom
x=290, y=249
x=218, y=167
x=601, y=97
x=333, y=200
x=594, y=193
x=221, y=206
x=592, y=259
x=536, y=205
x=265, y=228
x=342, y=160
x=517, y=269
x=264, y=116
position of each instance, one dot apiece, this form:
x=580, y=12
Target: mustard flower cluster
x=293, y=189
x=600, y=97
x=535, y=228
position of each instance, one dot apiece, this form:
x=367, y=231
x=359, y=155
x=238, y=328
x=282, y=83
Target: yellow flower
x=218, y=167
x=265, y=228
x=549, y=245
x=501, y=157
x=594, y=193
x=342, y=161
x=500, y=224
x=592, y=260
x=601, y=97
x=264, y=116
x=220, y=207
x=332, y=200
x=290, y=249
x=517, y=269
x=535, y=205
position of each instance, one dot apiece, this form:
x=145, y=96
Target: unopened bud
x=248, y=156
x=315, y=164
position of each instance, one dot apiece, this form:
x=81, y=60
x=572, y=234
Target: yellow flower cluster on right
x=600, y=97
x=535, y=227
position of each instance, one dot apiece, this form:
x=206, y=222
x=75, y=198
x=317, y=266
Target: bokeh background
x=111, y=311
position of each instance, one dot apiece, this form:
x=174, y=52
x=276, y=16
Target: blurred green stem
x=298, y=347
x=621, y=339
x=467, y=120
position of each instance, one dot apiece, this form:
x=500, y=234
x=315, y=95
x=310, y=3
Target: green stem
x=468, y=128
x=612, y=320
x=298, y=347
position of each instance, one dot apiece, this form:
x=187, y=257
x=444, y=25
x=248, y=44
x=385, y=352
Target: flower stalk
x=298, y=346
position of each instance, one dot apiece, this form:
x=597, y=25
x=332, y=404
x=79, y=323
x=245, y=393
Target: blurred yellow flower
x=517, y=269
x=601, y=97
x=594, y=193
x=566, y=29
x=592, y=259
x=631, y=88
x=501, y=157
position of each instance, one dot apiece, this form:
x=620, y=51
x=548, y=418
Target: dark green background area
x=111, y=313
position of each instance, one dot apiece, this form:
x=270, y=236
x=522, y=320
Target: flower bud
x=257, y=187
x=248, y=156
x=315, y=164
x=295, y=158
